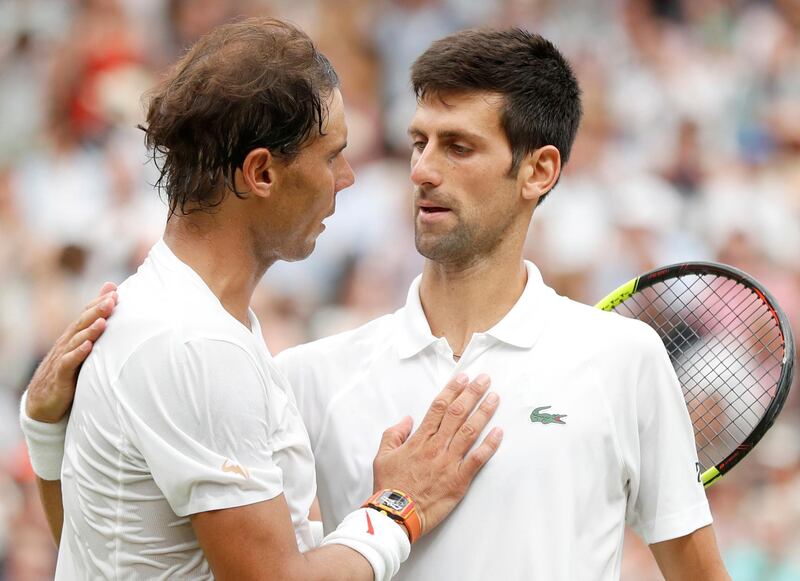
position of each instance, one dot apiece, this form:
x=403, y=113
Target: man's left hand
x=52, y=388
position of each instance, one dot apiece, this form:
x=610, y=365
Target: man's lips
x=430, y=212
x=431, y=206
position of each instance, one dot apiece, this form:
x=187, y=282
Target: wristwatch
x=398, y=506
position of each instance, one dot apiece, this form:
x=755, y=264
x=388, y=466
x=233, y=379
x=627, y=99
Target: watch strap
x=408, y=517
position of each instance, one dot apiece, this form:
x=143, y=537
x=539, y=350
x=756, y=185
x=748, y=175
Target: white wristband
x=381, y=541
x=45, y=443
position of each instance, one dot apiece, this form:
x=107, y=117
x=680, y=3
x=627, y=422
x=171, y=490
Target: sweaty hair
x=542, y=96
x=255, y=83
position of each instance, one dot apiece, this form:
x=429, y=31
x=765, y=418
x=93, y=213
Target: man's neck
x=460, y=301
x=222, y=257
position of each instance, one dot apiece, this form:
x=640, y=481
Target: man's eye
x=418, y=145
x=459, y=149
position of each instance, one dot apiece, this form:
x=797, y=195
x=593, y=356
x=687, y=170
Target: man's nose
x=424, y=168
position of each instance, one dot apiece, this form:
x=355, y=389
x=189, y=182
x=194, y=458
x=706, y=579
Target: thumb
x=395, y=436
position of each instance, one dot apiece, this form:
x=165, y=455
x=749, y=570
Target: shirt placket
x=446, y=366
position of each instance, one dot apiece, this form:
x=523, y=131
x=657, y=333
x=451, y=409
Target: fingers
x=394, y=437
x=458, y=411
x=101, y=307
x=91, y=334
x=71, y=361
x=469, y=431
x=107, y=288
x=78, y=349
x=433, y=418
x=476, y=459
x=80, y=344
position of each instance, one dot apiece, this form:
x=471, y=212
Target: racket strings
x=718, y=361
x=708, y=423
x=727, y=349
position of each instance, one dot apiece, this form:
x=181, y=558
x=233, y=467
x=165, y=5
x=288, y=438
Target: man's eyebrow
x=448, y=134
x=340, y=149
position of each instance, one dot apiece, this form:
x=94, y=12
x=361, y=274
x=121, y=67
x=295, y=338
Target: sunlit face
x=307, y=185
x=465, y=201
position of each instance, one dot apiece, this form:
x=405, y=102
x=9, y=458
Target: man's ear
x=257, y=173
x=539, y=172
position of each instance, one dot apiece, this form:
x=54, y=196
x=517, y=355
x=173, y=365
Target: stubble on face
x=469, y=240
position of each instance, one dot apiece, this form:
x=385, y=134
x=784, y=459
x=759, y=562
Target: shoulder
x=163, y=338
x=607, y=338
x=192, y=379
x=317, y=371
x=162, y=314
x=191, y=354
x=594, y=323
x=341, y=348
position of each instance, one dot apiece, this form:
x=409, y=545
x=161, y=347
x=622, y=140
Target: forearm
x=45, y=442
x=360, y=549
x=694, y=556
x=50, y=495
x=330, y=563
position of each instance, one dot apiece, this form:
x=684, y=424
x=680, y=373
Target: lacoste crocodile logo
x=236, y=469
x=542, y=418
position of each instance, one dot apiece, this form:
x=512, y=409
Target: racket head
x=732, y=348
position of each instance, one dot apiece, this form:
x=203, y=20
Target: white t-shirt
x=596, y=435
x=179, y=410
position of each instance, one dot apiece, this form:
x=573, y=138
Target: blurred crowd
x=689, y=150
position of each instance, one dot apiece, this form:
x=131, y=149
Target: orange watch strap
x=414, y=525
x=408, y=517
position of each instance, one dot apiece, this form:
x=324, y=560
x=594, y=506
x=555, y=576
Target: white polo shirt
x=179, y=410
x=596, y=435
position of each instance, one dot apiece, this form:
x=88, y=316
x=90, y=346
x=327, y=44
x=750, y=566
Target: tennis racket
x=731, y=346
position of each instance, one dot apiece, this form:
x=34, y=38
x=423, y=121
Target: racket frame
x=648, y=279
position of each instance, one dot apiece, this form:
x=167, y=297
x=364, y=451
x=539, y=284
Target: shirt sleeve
x=198, y=413
x=666, y=499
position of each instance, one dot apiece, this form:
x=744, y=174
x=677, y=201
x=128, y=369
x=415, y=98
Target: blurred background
x=689, y=149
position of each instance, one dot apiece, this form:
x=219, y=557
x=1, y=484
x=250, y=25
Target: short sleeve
x=198, y=413
x=666, y=499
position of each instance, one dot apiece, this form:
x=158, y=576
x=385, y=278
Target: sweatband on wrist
x=381, y=540
x=45, y=443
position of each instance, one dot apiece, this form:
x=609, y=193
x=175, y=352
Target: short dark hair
x=542, y=96
x=254, y=83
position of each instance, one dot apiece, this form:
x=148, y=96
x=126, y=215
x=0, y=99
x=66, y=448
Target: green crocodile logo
x=538, y=416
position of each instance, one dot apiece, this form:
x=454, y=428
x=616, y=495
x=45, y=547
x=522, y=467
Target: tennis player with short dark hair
x=597, y=433
x=186, y=457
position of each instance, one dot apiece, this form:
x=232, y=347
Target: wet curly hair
x=255, y=83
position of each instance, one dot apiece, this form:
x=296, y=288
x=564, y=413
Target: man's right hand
x=435, y=466
x=52, y=388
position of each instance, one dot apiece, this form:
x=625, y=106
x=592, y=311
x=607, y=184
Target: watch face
x=394, y=501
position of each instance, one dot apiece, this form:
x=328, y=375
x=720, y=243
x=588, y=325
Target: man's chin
x=439, y=248
x=307, y=249
x=300, y=252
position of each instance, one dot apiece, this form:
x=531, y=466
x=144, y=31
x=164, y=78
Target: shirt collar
x=414, y=332
x=521, y=326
